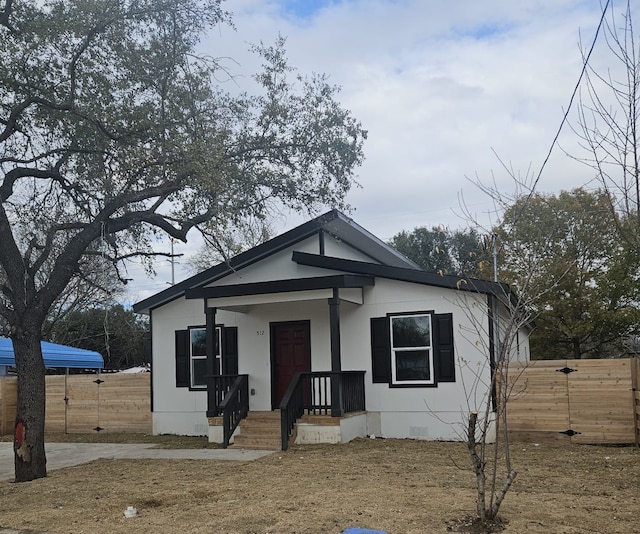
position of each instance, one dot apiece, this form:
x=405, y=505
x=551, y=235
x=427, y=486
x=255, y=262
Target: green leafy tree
x=445, y=251
x=586, y=280
x=113, y=130
x=121, y=336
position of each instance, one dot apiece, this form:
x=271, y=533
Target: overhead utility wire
x=573, y=95
x=585, y=64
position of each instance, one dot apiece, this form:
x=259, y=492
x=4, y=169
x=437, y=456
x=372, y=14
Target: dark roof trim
x=237, y=262
x=404, y=275
x=281, y=286
x=365, y=242
x=333, y=223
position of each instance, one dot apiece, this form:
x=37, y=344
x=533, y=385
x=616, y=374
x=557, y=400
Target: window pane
x=412, y=365
x=199, y=368
x=198, y=342
x=411, y=331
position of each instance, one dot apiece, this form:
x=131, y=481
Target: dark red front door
x=290, y=354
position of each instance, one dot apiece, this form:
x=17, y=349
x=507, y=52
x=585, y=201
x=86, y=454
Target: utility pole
x=494, y=243
x=172, y=259
x=173, y=265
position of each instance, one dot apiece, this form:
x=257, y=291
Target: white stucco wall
x=416, y=412
x=421, y=412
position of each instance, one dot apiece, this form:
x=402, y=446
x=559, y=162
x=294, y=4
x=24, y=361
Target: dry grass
x=399, y=486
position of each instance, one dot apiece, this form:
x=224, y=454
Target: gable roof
x=333, y=223
x=55, y=355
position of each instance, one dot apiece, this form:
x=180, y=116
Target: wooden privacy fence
x=577, y=401
x=87, y=403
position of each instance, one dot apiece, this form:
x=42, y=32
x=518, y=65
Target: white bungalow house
x=329, y=330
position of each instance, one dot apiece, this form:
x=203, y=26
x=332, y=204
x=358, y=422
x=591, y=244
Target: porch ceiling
x=243, y=304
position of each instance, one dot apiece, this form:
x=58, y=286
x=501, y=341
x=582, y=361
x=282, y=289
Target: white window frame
x=394, y=350
x=199, y=357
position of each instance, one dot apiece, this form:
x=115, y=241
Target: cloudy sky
x=443, y=88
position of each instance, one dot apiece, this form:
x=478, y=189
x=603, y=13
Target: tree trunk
x=478, y=466
x=577, y=352
x=28, y=440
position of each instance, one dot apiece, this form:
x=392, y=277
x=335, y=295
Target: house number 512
x=259, y=332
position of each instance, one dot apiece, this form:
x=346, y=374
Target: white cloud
x=439, y=86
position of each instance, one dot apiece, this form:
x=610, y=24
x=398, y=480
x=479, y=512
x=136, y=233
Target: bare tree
x=486, y=434
x=608, y=123
x=501, y=340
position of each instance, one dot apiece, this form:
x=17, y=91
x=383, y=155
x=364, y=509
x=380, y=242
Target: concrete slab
x=61, y=455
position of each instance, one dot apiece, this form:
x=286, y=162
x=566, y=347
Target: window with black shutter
x=412, y=349
x=380, y=350
x=182, y=359
x=191, y=354
x=444, y=353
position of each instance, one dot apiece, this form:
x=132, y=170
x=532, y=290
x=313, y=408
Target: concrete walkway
x=69, y=454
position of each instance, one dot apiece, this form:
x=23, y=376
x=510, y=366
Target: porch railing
x=234, y=407
x=220, y=385
x=320, y=393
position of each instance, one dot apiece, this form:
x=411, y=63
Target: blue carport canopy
x=55, y=356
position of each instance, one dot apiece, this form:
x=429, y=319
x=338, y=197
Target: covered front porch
x=318, y=407
x=331, y=401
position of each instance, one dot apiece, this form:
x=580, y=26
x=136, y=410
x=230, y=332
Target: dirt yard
x=398, y=486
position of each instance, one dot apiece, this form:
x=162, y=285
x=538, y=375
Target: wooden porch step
x=259, y=430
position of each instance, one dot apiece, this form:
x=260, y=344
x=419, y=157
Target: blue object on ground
x=363, y=531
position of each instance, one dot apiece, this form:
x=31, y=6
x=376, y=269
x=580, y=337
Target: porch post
x=336, y=363
x=212, y=368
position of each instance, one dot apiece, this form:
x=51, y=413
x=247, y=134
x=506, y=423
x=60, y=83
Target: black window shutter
x=445, y=363
x=380, y=350
x=182, y=359
x=230, y=350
